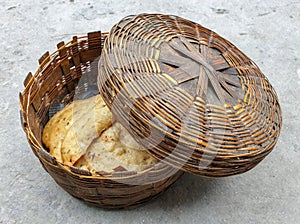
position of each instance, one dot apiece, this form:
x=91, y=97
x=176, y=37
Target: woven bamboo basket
x=57, y=79
x=192, y=98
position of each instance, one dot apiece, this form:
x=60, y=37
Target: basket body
x=204, y=106
x=74, y=68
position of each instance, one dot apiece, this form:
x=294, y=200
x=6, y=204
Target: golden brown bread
x=82, y=135
x=109, y=151
x=85, y=129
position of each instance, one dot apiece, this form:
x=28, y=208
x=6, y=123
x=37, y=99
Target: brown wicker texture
x=56, y=80
x=168, y=78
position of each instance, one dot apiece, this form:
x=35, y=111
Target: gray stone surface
x=267, y=31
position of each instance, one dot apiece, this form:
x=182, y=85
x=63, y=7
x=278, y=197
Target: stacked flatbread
x=83, y=135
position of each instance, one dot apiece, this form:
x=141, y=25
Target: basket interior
x=68, y=74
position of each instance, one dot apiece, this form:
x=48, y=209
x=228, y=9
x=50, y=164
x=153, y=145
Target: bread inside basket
x=83, y=134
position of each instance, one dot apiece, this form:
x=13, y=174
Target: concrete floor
x=267, y=31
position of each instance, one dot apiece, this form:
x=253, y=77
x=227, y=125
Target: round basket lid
x=189, y=96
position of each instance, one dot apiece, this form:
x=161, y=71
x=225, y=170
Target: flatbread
x=108, y=152
x=82, y=135
x=58, y=127
x=87, y=126
x=55, y=131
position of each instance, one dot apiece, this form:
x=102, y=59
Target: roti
x=64, y=125
x=108, y=152
x=82, y=135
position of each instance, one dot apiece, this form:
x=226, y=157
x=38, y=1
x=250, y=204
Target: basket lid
x=189, y=96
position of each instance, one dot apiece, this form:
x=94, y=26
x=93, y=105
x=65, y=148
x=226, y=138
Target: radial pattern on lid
x=193, y=99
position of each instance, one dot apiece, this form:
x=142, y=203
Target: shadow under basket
x=69, y=72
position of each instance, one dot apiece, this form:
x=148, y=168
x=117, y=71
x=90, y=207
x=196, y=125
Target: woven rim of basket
x=137, y=69
x=31, y=84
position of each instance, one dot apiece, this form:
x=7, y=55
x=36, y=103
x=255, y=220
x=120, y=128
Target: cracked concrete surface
x=267, y=31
